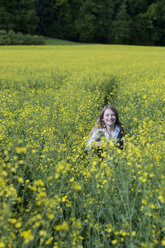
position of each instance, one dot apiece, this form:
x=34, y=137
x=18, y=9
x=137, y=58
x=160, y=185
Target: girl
x=108, y=126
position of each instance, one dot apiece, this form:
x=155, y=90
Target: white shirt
x=96, y=135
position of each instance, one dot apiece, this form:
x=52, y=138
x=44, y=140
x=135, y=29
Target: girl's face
x=109, y=117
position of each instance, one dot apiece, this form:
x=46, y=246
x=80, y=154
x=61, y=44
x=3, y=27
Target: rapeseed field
x=53, y=192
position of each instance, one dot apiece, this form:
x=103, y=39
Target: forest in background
x=135, y=22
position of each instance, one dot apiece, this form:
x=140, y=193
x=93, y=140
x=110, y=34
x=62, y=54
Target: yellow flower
x=114, y=241
x=161, y=199
x=50, y=216
x=20, y=180
x=49, y=241
x=63, y=226
x=42, y=233
x=108, y=228
x=2, y=245
x=76, y=186
x=18, y=225
x=27, y=235
x=94, y=163
x=21, y=150
x=64, y=198
x=133, y=233
x=13, y=221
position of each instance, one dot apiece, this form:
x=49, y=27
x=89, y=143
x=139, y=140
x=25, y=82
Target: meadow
x=55, y=194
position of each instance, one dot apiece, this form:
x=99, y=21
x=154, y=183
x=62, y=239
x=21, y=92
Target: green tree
x=88, y=24
x=106, y=16
x=108, y=21
x=44, y=10
x=148, y=24
x=19, y=15
x=6, y=15
x=156, y=17
x=122, y=25
x=61, y=24
x=26, y=19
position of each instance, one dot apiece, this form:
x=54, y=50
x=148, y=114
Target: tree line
x=139, y=22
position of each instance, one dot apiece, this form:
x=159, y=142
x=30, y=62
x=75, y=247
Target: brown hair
x=100, y=123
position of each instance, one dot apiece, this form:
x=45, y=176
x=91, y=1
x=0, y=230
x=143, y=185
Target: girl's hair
x=100, y=123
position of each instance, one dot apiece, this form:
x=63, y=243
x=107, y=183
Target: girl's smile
x=109, y=117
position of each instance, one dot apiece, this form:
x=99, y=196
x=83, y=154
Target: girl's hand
x=98, y=144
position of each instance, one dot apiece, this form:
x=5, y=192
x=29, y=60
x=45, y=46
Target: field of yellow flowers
x=55, y=194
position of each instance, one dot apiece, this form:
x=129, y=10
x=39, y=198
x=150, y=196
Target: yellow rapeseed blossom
x=114, y=241
x=21, y=150
x=27, y=235
x=63, y=226
x=163, y=242
x=2, y=245
x=76, y=186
